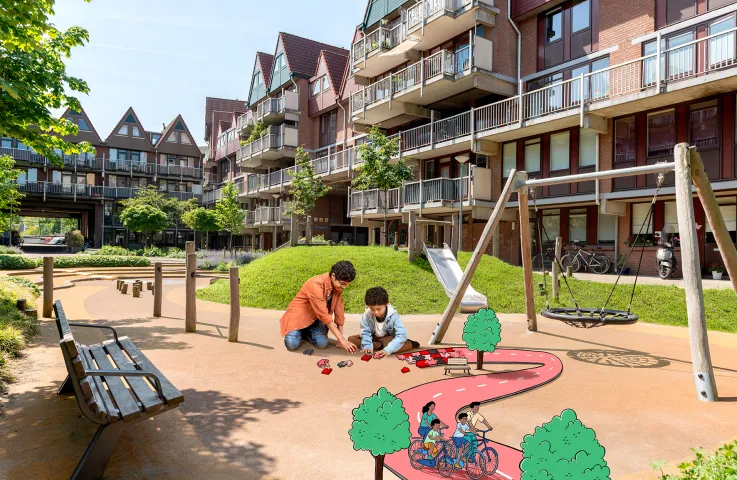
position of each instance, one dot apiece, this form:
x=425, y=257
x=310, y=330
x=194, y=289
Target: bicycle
x=490, y=454
x=543, y=261
x=444, y=461
x=591, y=261
x=474, y=462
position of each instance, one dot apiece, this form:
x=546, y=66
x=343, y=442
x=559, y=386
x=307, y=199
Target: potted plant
x=716, y=270
x=75, y=241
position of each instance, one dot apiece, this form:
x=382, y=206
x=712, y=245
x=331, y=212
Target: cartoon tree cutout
x=482, y=332
x=563, y=448
x=380, y=426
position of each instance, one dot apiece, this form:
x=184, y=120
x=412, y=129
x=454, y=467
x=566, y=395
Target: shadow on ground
x=146, y=336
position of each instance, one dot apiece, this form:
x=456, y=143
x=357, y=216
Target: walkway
x=708, y=283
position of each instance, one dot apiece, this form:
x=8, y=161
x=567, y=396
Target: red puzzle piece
x=327, y=371
x=366, y=358
x=405, y=370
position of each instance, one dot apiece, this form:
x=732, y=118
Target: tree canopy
x=153, y=197
x=306, y=187
x=380, y=424
x=203, y=219
x=144, y=218
x=482, y=331
x=229, y=212
x=376, y=169
x=9, y=195
x=33, y=78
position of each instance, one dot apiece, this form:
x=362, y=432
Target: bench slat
x=127, y=404
x=148, y=397
x=65, y=331
x=108, y=404
x=171, y=394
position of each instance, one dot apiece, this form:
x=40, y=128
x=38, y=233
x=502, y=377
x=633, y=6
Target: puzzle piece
x=309, y=351
x=327, y=371
x=366, y=358
x=345, y=363
x=376, y=355
x=405, y=370
x=323, y=363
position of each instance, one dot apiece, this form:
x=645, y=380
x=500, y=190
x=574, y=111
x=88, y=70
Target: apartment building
x=89, y=187
x=596, y=85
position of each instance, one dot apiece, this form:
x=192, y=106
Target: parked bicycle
x=543, y=262
x=588, y=259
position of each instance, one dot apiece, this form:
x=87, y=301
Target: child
x=462, y=436
x=381, y=328
x=431, y=439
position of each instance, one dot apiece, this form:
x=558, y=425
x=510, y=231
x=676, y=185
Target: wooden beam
x=411, y=232
x=524, y=229
x=701, y=357
x=48, y=279
x=455, y=300
x=434, y=222
x=235, y=305
x=157, y=289
x=190, y=310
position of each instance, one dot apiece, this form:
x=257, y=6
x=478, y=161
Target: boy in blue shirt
x=381, y=328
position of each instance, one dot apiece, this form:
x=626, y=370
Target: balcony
x=370, y=55
x=227, y=144
x=208, y=198
x=128, y=166
x=279, y=143
x=245, y=123
x=80, y=162
x=210, y=179
x=180, y=171
x=271, y=217
x=375, y=201
x=112, y=221
x=47, y=189
x=28, y=156
x=274, y=111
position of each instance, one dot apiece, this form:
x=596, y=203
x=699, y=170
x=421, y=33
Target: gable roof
x=178, y=125
x=335, y=65
x=82, y=136
x=263, y=63
x=302, y=54
x=129, y=142
x=213, y=105
x=266, y=62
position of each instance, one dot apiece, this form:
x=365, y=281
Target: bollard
x=136, y=291
x=119, y=284
x=190, y=318
x=569, y=271
x=156, y=292
x=124, y=289
x=235, y=305
x=149, y=285
x=21, y=305
x=48, y=299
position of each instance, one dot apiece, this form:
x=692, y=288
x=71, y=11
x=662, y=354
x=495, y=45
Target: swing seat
x=590, y=317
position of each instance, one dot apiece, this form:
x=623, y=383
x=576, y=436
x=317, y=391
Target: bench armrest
x=128, y=373
x=84, y=325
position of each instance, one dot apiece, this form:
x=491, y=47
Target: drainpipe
x=597, y=169
x=519, y=43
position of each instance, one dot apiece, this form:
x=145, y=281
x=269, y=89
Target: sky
x=163, y=57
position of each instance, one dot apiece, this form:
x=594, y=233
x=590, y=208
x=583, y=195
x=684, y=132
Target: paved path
x=452, y=394
x=707, y=282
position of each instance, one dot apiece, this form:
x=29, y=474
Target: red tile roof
x=221, y=105
x=336, y=68
x=303, y=54
x=266, y=61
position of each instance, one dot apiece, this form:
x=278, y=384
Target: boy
x=381, y=328
x=464, y=434
x=431, y=439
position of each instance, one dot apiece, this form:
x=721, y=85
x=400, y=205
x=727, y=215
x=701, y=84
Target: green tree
x=305, y=186
x=9, y=195
x=563, y=448
x=482, y=332
x=34, y=80
x=145, y=219
x=377, y=172
x=229, y=212
x=380, y=426
x=153, y=197
x=202, y=219
x=259, y=130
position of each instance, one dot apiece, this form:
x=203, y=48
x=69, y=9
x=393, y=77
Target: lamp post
x=276, y=212
x=461, y=159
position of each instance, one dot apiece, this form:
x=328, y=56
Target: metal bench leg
x=95, y=458
x=66, y=388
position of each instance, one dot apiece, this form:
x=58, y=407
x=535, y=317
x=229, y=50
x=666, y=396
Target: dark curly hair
x=343, y=271
x=376, y=296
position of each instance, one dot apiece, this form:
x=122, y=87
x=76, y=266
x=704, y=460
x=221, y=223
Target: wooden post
x=491, y=224
x=308, y=230
x=124, y=289
x=149, y=285
x=569, y=271
x=556, y=270
x=190, y=318
x=524, y=230
x=119, y=284
x=714, y=216
x=235, y=305
x=136, y=290
x=20, y=304
x=454, y=235
x=157, y=289
x=189, y=247
x=703, y=372
x=294, y=235
x=411, y=232
x=495, y=243
x=48, y=300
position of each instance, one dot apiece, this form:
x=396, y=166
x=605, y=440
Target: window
x=328, y=128
x=671, y=216
x=577, y=222
x=83, y=125
x=581, y=15
x=172, y=138
x=639, y=214
x=553, y=26
x=315, y=88
x=56, y=176
x=325, y=83
x=625, y=143
x=560, y=151
x=680, y=60
x=722, y=47
x=6, y=142
x=257, y=79
x=136, y=131
x=607, y=228
x=677, y=10
x=482, y=161
x=279, y=62
x=123, y=130
x=551, y=224
x=587, y=148
x=704, y=124
x=729, y=213
x=429, y=169
x=661, y=133
x=122, y=155
x=532, y=155
x=184, y=138
x=155, y=138
x=509, y=158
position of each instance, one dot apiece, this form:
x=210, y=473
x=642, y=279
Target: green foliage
x=202, y=219
x=16, y=262
x=380, y=424
x=77, y=261
x=9, y=195
x=11, y=316
x=9, y=250
x=482, y=331
x=306, y=187
x=15, y=327
x=151, y=196
x=34, y=80
x=222, y=267
x=39, y=226
x=11, y=291
x=11, y=341
x=563, y=448
x=114, y=250
x=720, y=465
x=75, y=239
x=259, y=130
x=377, y=171
x=24, y=282
x=229, y=212
x=144, y=218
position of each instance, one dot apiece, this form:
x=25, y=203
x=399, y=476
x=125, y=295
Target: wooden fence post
x=190, y=319
x=556, y=270
x=235, y=305
x=411, y=232
x=157, y=289
x=524, y=228
x=48, y=299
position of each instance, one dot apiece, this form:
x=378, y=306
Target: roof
x=213, y=105
x=128, y=141
x=266, y=62
x=302, y=54
x=178, y=124
x=336, y=65
x=82, y=136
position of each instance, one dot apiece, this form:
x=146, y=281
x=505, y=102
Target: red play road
x=452, y=394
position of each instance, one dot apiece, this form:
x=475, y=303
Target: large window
x=661, y=133
x=625, y=143
x=315, y=88
x=577, y=222
x=640, y=220
x=184, y=138
x=136, y=131
x=560, y=151
x=279, y=62
x=704, y=124
x=607, y=230
x=257, y=79
x=509, y=158
x=587, y=148
x=554, y=26
x=722, y=47
x=581, y=15
x=6, y=142
x=123, y=130
x=532, y=155
x=567, y=32
x=328, y=128
x=83, y=125
x=671, y=215
x=325, y=83
x=677, y=10
x=729, y=213
x=551, y=224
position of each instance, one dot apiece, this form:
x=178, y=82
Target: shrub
x=25, y=283
x=244, y=258
x=11, y=341
x=100, y=261
x=9, y=250
x=17, y=262
x=115, y=250
x=720, y=465
x=11, y=292
x=563, y=448
x=207, y=264
x=75, y=239
x=12, y=317
x=222, y=267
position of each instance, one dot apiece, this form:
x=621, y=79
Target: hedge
x=16, y=262
x=25, y=283
x=76, y=261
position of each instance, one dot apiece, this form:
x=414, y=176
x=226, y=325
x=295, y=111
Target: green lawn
x=272, y=281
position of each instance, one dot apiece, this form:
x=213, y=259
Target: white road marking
x=541, y=355
x=437, y=395
x=550, y=368
x=513, y=354
x=482, y=385
x=504, y=475
x=535, y=374
x=529, y=355
x=497, y=353
x=521, y=378
x=505, y=381
x=419, y=420
x=460, y=390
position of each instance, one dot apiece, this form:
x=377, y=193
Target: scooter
x=666, y=258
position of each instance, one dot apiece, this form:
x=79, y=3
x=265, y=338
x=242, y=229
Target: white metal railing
x=452, y=127
x=497, y=115
x=382, y=38
x=407, y=77
x=551, y=99
x=245, y=121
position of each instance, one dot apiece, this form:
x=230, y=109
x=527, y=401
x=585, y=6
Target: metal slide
x=449, y=274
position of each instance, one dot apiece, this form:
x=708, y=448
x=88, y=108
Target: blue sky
x=163, y=57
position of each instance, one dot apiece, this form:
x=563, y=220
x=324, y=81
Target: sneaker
x=414, y=344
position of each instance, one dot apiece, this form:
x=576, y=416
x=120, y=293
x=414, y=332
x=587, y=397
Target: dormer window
x=325, y=83
x=136, y=131
x=123, y=130
x=315, y=88
x=279, y=62
x=83, y=125
x=184, y=138
x=172, y=138
x=257, y=79
x=155, y=138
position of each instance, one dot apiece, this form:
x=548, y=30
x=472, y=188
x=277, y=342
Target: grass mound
x=272, y=282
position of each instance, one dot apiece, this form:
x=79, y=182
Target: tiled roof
x=82, y=136
x=221, y=105
x=336, y=68
x=303, y=54
x=129, y=142
x=178, y=124
x=266, y=61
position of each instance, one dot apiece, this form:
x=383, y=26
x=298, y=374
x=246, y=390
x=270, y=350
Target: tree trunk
x=479, y=360
x=230, y=244
x=385, y=239
x=379, y=472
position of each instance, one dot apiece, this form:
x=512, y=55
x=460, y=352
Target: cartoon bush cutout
x=482, y=332
x=563, y=448
x=380, y=426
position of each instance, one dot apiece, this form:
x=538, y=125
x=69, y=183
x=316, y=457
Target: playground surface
x=253, y=410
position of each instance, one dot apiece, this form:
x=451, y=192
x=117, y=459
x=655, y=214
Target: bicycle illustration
x=444, y=460
x=590, y=260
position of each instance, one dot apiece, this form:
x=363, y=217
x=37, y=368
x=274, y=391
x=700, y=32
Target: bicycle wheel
x=446, y=465
x=599, y=264
x=414, y=460
x=570, y=260
x=538, y=263
x=492, y=460
x=476, y=466
x=414, y=447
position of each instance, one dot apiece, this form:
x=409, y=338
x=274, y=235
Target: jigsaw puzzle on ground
x=429, y=358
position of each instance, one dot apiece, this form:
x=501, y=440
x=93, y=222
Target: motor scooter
x=666, y=257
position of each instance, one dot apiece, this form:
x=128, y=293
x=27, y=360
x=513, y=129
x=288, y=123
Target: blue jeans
x=316, y=334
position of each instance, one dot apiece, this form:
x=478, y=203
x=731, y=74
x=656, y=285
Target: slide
x=449, y=274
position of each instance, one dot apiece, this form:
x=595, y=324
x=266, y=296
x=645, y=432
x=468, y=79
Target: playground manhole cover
x=618, y=358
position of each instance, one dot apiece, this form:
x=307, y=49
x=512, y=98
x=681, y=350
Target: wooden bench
x=455, y=363
x=115, y=385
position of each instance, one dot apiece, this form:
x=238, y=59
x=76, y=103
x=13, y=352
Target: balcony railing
x=212, y=197
x=23, y=155
x=381, y=38
x=376, y=199
x=245, y=121
x=179, y=171
x=259, y=145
